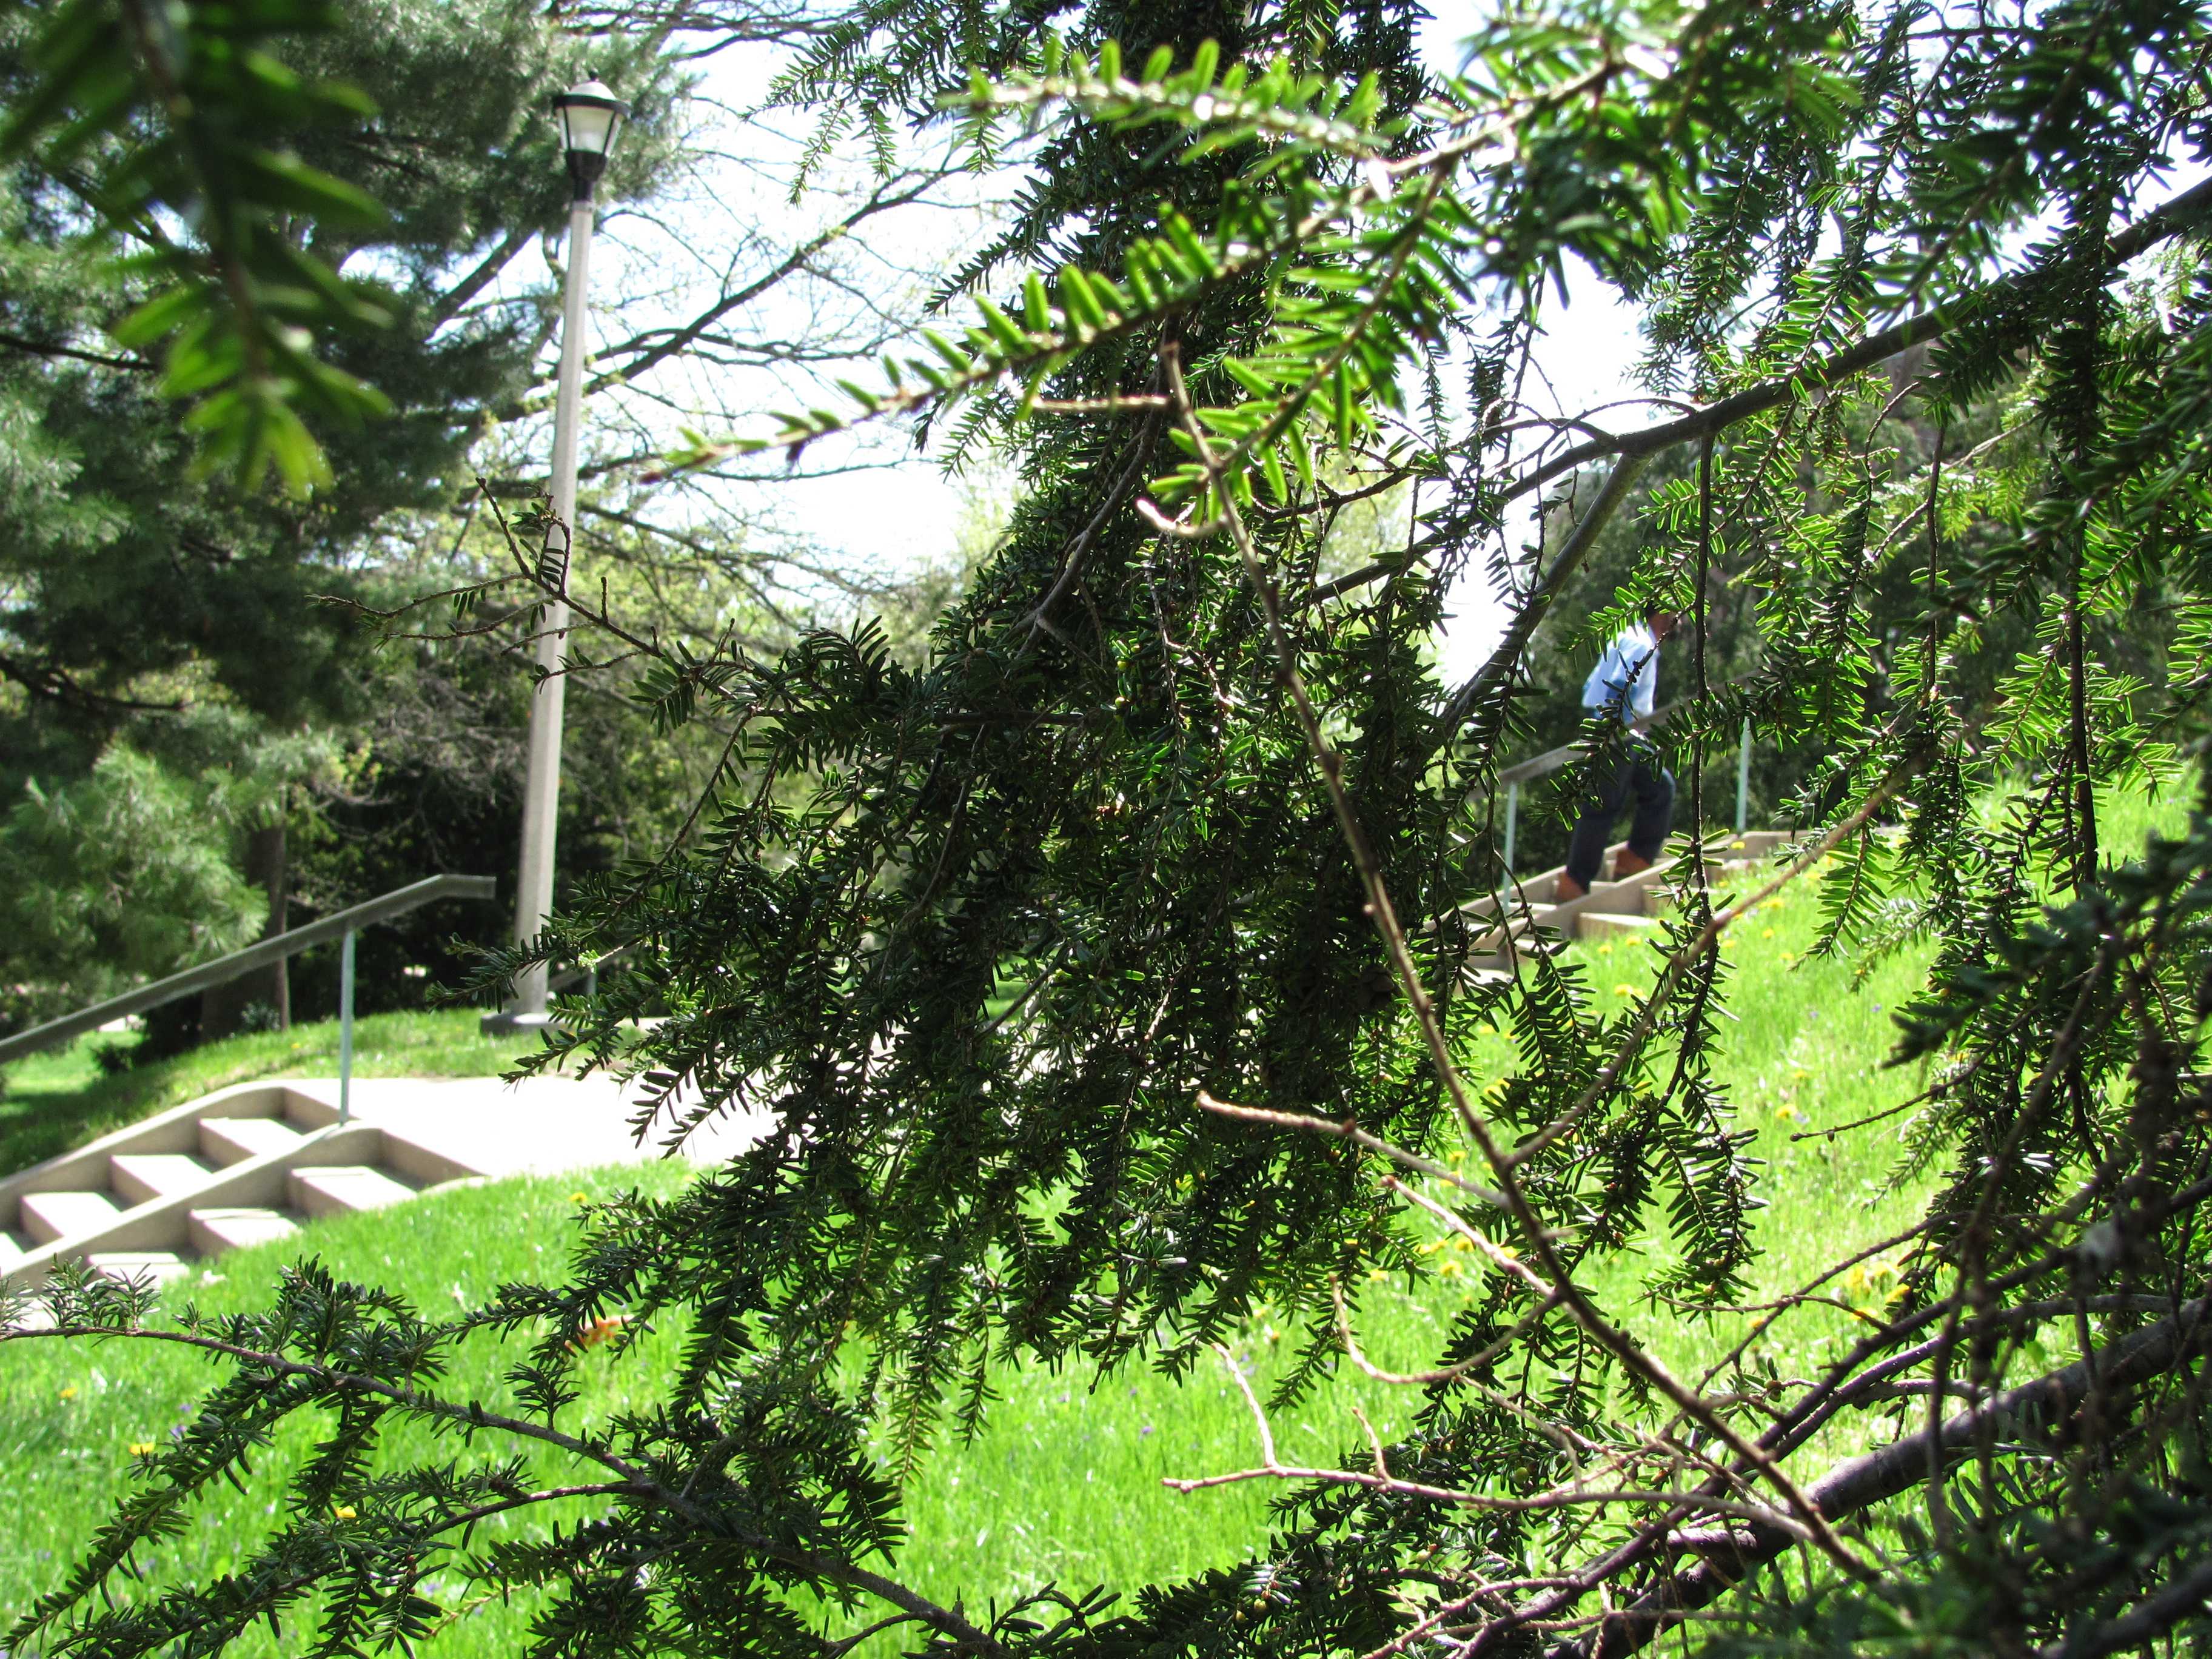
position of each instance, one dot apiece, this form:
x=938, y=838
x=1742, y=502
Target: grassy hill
x=1065, y=1482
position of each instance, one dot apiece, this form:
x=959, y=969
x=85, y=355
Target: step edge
x=147, y=1225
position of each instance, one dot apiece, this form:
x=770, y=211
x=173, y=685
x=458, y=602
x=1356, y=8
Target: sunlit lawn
x=1065, y=1483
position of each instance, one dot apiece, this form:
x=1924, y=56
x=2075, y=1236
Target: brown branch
x=2177, y=215
x=2183, y=1598
x=1272, y=1468
x=668, y=343
x=1630, y=450
x=47, y=348
x=44, y=680
x=1380, y=910
x=1861, y=1482
x=1346, y=1129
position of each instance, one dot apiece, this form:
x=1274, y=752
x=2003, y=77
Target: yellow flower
x=1374, y=1273
x=1460, y=1243
x=1767, y=933
x=1456, y=1157
x=1787, y=1113
x=1495, y=1089
x=1624, y=990
x=1450, y=1270
x=70, y=1393
x=1788, y=957
x=580, y=1198
x=141, y=1448
x=1606, y=948
x=1799, y=1071
x=344, y=1511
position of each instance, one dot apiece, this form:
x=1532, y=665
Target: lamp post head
x=591, y=118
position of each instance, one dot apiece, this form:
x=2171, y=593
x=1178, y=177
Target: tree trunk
x=222, y=1007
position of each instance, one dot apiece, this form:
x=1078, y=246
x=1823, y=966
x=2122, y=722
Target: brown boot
x=1628, y=862
x=1566, y=890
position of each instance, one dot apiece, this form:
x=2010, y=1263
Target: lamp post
x=591, y=117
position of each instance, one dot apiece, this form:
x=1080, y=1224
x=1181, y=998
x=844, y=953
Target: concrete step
x=1603, y=924
x=1523, y=918
x=135, y=1177
x=49, y=1216
x=227, y=1140
x=158, y=1266
x=421, y=1166
x=14, y=1247
x=1621, y=898
x=214, y=1231
x=338, y=1190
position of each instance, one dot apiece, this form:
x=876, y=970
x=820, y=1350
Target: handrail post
x=274, y=949
x=1512, y=824
x=1743, y=779
x=345, y=1029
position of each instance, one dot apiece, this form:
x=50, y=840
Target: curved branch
x=1859, y=1483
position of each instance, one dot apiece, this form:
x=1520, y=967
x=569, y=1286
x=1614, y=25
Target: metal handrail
x=1543, y=765
x=341, y=926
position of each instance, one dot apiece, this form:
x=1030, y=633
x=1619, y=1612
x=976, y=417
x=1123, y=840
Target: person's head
x=1662, y=622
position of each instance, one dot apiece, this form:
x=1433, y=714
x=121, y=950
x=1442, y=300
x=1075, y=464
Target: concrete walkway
x=256, y=1161
x=540, y=1125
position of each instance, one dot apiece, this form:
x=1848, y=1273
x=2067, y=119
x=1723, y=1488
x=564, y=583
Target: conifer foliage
x=1110, y=971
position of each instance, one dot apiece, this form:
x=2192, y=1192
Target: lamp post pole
x=590, y=115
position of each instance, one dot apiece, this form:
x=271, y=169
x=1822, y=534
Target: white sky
x=899, y=516
x=1584, y=358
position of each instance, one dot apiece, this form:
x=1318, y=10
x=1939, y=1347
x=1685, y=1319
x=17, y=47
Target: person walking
x=1624, y=686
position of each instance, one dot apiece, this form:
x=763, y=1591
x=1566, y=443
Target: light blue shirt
x=1626, y=678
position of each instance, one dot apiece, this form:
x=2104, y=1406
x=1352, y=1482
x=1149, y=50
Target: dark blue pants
x=1637, y=775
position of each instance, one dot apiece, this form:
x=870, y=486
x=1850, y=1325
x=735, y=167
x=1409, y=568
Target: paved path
x=540, y=1125
x=257, y=1161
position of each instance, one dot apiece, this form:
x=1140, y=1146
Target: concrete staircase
x=1529, y=920
x=256, y=1162
x=242, y=1166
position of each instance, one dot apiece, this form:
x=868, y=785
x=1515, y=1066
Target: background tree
x=143, y=580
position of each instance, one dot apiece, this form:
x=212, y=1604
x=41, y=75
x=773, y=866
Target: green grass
x=75, y=1409
x=1064, y=1484
x=62, y=1098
